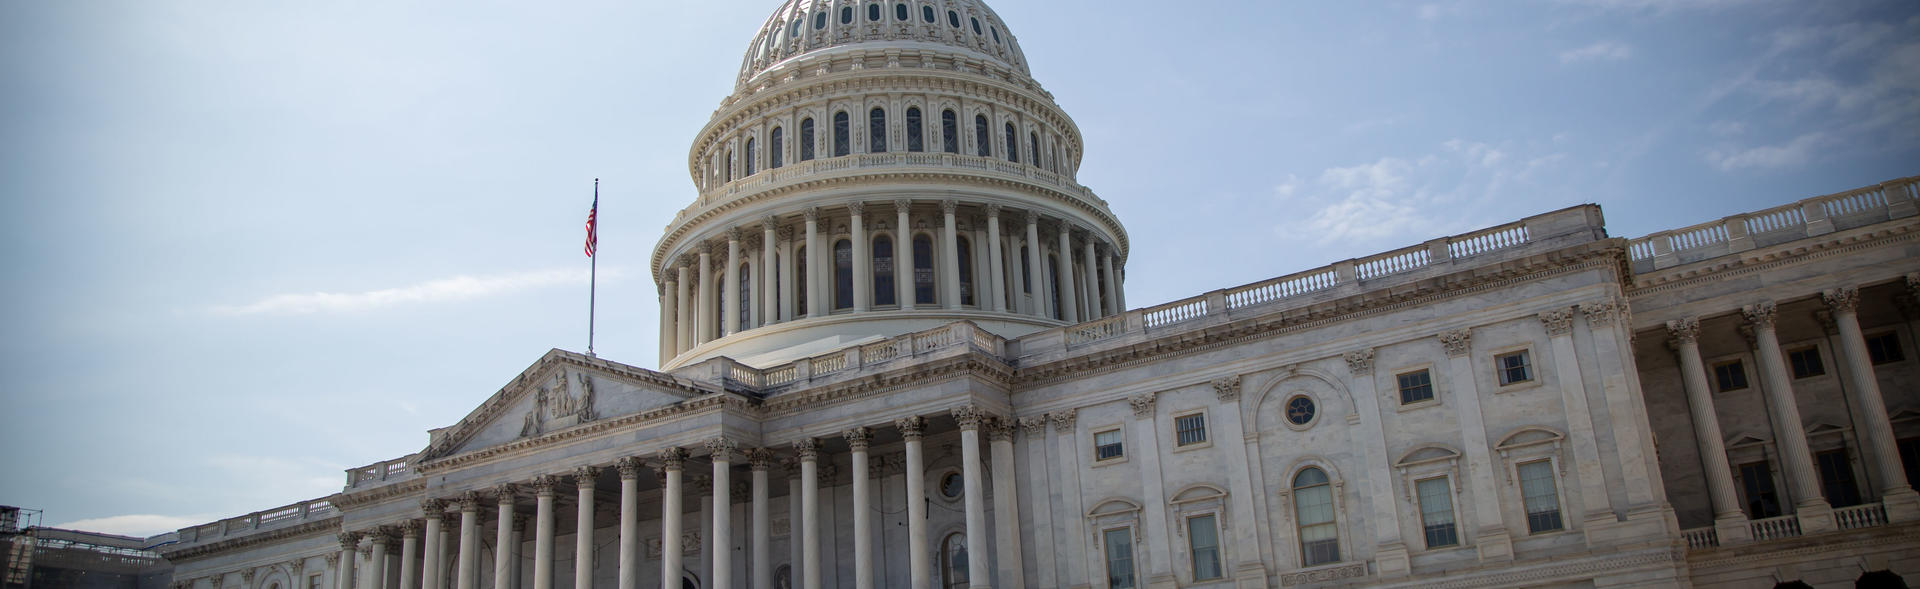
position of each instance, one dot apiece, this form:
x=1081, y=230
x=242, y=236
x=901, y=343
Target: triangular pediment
x=1824, y=429
x=562, y=390
x=1745, y=440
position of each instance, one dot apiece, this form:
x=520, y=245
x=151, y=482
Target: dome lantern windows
x=976, y=27
x=900, y=12
x=996, y=34
x=798, y=25
x=819, y=20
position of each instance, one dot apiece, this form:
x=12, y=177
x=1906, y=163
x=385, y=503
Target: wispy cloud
x=1396, y=199
x=1602, y=51
x=136, y=525
x=458, y=288
x=1792, y=153
x=1656, y=5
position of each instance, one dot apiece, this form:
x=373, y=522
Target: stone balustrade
x=1819, y=215
x=302, y=512
x=390, y=471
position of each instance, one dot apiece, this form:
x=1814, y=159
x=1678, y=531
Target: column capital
x=410, y=529
x=543, y=485
x=349, y=540
x=734, y=235
x=505, y=493
x=1227, y=388
x=769, y=223
x=1143, y=404
x=433, y=508
x=912, y=428
x=333, y=559
x=722, y=448
x=1603, y=312
x=760, y=459
x=671, y=459
x=1000, y=429
x=786, y=234
x=857, y=208
x=948, y=206
x=807, y=449
x=902, y=206
x=1558, y=323
x=687, y=261
x=1034, y=427
x=1685, y=330
x=969, y=416
x=586, y=476
x=1760, y=314
x=1845, y=299
x=702, y=484
x=469, y=501
x=1360, y=361
x=812, y=214
x=858, y=438
x=381, y=535
x=1458, y=342
x=1063, y=420
x=520, y=521
x=993, y=210
x=1033, y=218
x=707, y=252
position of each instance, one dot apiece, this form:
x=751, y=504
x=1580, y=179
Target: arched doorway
x=1880, y=580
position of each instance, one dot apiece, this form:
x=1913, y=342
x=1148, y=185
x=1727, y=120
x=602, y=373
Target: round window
x=952, y=485
x=1300, y=410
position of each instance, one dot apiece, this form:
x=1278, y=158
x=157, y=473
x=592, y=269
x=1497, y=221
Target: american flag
x=593, y=239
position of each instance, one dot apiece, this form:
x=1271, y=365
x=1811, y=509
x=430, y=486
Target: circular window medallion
x=952, y=485
x=1301, y=410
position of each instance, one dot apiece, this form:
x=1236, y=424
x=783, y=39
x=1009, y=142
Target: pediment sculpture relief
x=555, y=406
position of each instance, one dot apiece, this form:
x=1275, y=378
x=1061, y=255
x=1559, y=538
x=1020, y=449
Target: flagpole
x=593, y=271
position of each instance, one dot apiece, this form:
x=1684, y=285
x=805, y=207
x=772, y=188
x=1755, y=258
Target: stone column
x=673, y=462
x=1091, y=273
x=349, y=548
x=996, y=270
x=377, y=565
x=1065, y=270
x=584, y=479
x=703, y=308
x=1390, y=552
x=667, y=328
x=467, y=567
x=919, y=561
x=950, y=255
x=790, y=271
x=817, y=305
x=543, y=494
x=769, y=274
x=1492, y=537
x=1901, y=503
x=1036, y=302
x=862, y=261
x=903, y=255
x=722, y=449
x=503, y=538
x=761, y=459
x=683, y=322
x=1573, y=400
x=434, y=510
x=1789, y=432
x=409, y=550
x=809, y=453
x=797, y=574
x=1113, y=285
x=1006, y=514
x=858, y=439
x=1729, y=521
x=730, y=320
x=970, y=418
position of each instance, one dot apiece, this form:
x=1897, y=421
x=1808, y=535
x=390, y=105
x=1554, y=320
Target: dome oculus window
x=926, y=14
x=819, y=20
x=952, y=485
x=900, y=12
x=873, y=12
x=996, y=34
x=798, y=25
x=976, y=27
x=846, y=15
x=953, y=18
x=1301, y=410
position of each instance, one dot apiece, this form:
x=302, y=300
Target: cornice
x=1602, y=255
x=483, y=455
x=973, y=363
x=351, y=499
x=317, y=527
x=1755, y=262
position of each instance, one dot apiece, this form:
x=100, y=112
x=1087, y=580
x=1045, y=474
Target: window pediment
x=1113, y=507
x=1427, y=455
x=1198, y=493
x=1528, y=437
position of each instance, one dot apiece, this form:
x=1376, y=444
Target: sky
x=248, y=245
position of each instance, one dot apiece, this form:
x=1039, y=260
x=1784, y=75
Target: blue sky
x=248, y=245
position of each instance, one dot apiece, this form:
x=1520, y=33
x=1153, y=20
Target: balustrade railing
x=1701, y=538
x=1497, y=238
x=380, y=471
x=829, y=364
x=1809, y=217
x=1175, y=312
x=1860, y=516
x=1393, y=263
x=1786, y=526
x=1282, y=287
x=1096, y=331
x=259, y=520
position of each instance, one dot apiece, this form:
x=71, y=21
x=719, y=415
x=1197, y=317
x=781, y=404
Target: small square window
x=1885, y=349
x=1730, y=376
x=1514, y=368
x=1107, y=445
x=1190, y=429
x=1806, y=363
x=1416, y=387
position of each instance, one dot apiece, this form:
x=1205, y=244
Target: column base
x=1733, y=529
x=1815, y=516
x=1495, y=544
x=1392, y=560
x=1902, y=505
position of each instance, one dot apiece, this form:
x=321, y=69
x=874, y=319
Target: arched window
x=950, y=131
x=1013, y=144
x=1100, y=276
x=966, y=271
x=794, y=30
x=1033, y=143
x=783, y=577
x=982, y=137
x=1313, y=508
x=923, y=289
x=1053, y=279
x=976, y=27
x=800, y=281
x=746, y=296
x=842, y=134
x=916, y=133
x=806, y=139
x=750, y=157
x=877, y=131
x=953, y=561
x=883, y=292
x=777, y=148
x=842, y=275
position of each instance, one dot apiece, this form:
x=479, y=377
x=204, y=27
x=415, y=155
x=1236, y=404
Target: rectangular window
x=1436, y=513
x=1203, y=534
x=1730, y=376
x=1514, y=368
x=1885, y=349
x=1806, y=363
x=1107, y=445
x=1541, y=496
x=1416, y=387
x=1119, y=558
x=313, y=582
x=1910, y=458
x=1190, y=429
x=1836, y=478
x=1757, y=480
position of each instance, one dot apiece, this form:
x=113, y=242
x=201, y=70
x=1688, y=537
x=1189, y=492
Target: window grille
x=1190, y=429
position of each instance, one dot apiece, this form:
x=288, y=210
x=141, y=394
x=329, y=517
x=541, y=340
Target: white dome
x=802, y=27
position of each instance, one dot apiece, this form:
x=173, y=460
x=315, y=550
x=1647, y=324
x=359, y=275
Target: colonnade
x=429, y=541
x=784, y=272
x=1811, y=507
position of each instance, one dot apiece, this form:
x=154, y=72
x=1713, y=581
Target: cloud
x=1792, y=153
x=458, y=288
x=136, y=525
x=1399, y=200
x=1657, y=5
x=1602, y=51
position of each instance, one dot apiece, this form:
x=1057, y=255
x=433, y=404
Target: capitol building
x=896, y=351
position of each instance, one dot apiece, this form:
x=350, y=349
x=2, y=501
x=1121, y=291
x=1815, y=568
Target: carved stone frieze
x=1458, y=343
x=1557, y=323
x=1063, y=421
x=1143, y=404
x=1227, y=388
x=1360, y=362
